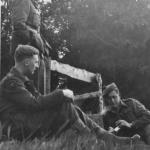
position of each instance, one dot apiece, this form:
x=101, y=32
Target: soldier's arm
x=16, y=93
x=142, y=114
x=20, y=12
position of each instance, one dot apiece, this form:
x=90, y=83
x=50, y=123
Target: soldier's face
x=33, y=64
x=113, y=99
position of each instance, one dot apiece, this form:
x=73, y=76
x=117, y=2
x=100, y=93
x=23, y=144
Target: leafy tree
x=5, y=36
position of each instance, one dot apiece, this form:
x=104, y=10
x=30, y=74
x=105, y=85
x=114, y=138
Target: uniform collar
x=120, y=107
x=15, y=72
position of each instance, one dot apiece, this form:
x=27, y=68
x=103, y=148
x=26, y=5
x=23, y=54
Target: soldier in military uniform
x=125, y=117
x=26, y=30
x=25, y=113
x=26, y=25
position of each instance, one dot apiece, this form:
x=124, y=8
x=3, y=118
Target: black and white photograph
x=75, y=75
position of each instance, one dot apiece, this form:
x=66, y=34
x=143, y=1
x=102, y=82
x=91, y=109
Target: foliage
x=109, y=37
x=112, y=38
x=5, y=36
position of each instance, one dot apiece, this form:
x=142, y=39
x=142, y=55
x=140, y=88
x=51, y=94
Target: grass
x=68, y=141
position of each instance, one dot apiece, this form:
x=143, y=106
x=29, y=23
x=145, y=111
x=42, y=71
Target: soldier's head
x=26, y=59
x=111, y=95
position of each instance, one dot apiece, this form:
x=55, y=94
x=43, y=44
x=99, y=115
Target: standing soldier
x=26, y=30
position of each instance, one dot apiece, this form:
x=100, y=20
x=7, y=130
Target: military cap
x=109, y=88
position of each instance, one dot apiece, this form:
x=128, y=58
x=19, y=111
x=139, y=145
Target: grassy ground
x=68, y=142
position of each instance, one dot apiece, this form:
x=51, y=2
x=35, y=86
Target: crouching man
x=125, y=117
x=25, y=113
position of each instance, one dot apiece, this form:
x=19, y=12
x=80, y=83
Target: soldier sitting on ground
x=26, y=113
x=125, y=117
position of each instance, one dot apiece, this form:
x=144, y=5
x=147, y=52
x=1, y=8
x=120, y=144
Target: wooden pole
x=73, y=72
x=48, y=75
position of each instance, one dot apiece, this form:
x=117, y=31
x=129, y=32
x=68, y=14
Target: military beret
x=109, y=88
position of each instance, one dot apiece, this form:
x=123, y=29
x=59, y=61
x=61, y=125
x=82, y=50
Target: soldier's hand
x=124, y=123
x=111, y=129
x=68, y=94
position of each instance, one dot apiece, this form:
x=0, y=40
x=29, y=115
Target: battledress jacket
x=130, y=110
x=26, y=25
x=23, y=107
